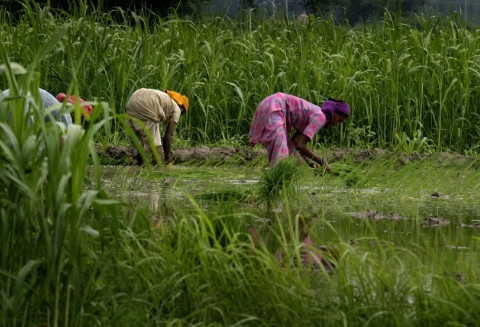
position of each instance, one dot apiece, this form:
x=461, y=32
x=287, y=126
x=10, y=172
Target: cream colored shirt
x=153, y=105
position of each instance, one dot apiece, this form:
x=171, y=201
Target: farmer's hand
x=325, y=164
x=327, y=167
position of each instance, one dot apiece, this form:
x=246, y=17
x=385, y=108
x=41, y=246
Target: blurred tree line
x=470, y=9
x=361, y=10
x=354, y=11
x=160, y=7
x=357, y=11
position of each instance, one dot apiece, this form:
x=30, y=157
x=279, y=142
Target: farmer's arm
x=167, y=141
x=300, y=141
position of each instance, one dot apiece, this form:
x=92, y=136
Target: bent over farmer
x=278, y=114
x=86, y=109
x=48, y=101
x=153, y=107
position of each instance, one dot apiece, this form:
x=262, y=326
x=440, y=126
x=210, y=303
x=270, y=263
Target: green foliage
x=277, y=179
x=225, y=83
x=281, y=181
x=46, y=216
x=345, y=172
x=72, y=256
x=417, y=143
x=362, y=137
x=227, y=67
x=236, y=140
x=54, y=223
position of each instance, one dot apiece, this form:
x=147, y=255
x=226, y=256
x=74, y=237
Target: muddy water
x=356, y=221
x=369, y=219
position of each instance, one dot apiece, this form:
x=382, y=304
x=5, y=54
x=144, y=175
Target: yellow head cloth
x=181, y=100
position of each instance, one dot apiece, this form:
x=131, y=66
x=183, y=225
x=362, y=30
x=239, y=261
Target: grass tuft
x=283, y=178
x=346, y=172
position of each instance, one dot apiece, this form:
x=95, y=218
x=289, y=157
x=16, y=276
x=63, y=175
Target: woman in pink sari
x=277, y=114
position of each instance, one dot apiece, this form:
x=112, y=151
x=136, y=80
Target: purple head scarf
x=330, y=106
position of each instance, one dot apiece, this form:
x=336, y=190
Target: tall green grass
x=282, y=181
x=48, y=220
x=72, y=256
x=399, y=76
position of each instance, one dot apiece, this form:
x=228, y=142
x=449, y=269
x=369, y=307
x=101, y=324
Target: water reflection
x=368, y=219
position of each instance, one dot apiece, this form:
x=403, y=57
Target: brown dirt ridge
x=122, y=155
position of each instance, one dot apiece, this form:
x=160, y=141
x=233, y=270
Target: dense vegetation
x=406, y=81
x=71, y=255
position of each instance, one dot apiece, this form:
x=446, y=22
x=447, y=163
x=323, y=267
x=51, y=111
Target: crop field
x=381, y=241
x=404, y=80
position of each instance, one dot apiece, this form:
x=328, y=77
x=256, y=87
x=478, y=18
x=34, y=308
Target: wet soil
x=121, y=155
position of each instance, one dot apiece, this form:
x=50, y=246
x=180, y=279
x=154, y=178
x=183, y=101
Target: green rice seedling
x=280, y=181
x=435, y=173
x=225, y=195
x=224, y=224
x=344, y=171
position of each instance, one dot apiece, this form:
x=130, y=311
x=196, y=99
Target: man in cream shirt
x=153, y=107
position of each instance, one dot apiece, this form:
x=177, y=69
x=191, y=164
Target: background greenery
x=71, y=255
x=407, y=81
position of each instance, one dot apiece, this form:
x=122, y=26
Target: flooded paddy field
x=427, y=210
x=387, y=242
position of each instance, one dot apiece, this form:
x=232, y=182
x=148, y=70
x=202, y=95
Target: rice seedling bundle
x=283, y=177
x=346, y=172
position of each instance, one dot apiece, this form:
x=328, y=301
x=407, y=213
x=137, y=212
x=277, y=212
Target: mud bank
x=121, y=155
